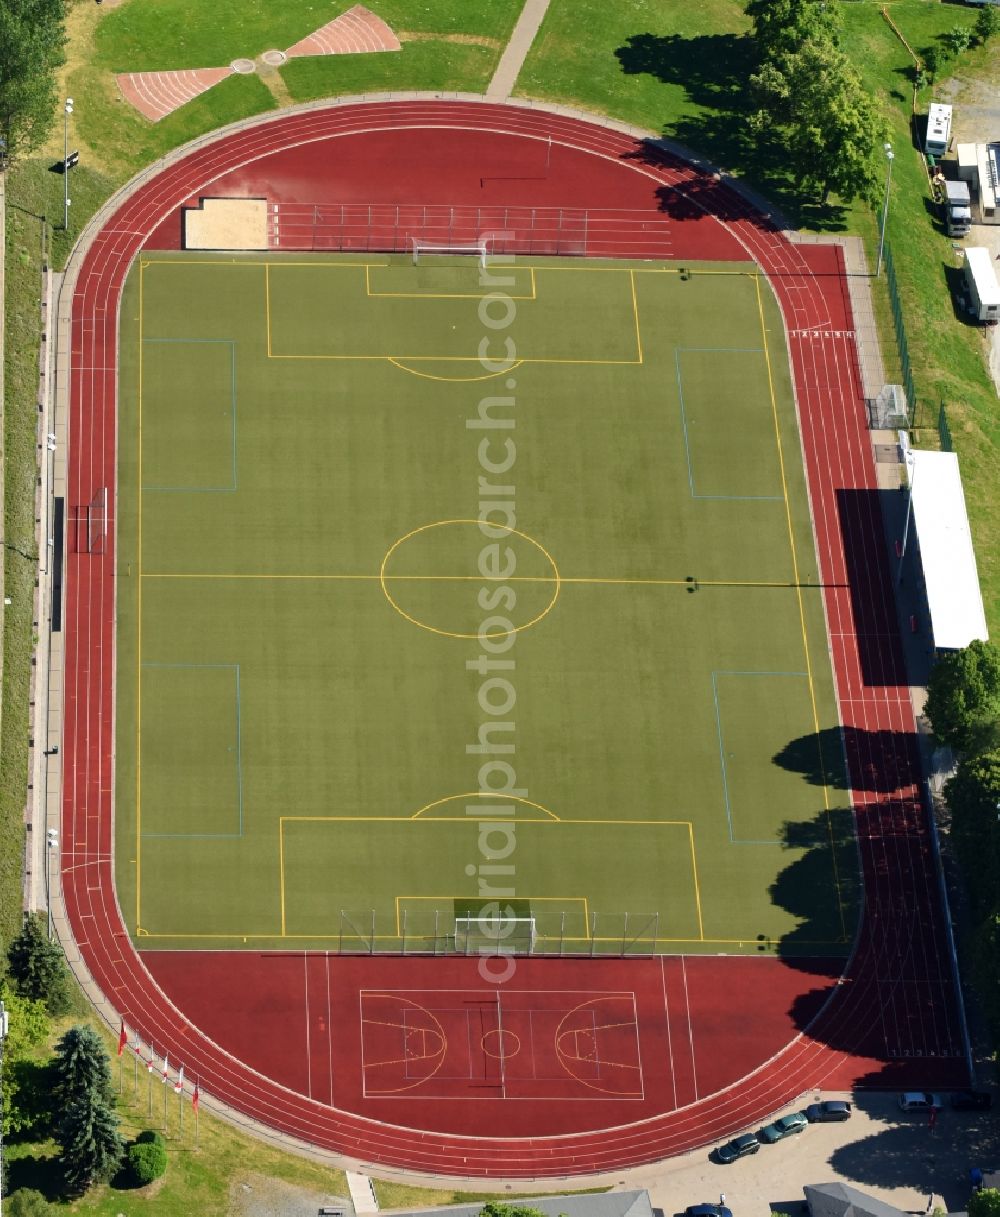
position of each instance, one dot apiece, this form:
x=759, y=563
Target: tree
x=147, y=1161
x=973, y=795
x=783, y=25
x=28, y=1028
x=813, y=100
x=28, y=1203
x=92, y=1147
x=963, y=697
x=38, y=968
x=985, y=1203
x=957, y=39
x=81, y=1067
x=988, y=23
x=32, y=37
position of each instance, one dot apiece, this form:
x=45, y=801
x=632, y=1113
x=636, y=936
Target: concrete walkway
x=512, y=60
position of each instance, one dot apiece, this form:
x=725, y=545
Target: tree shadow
x=41, y=1172
x=708, y=66
x=909, y=1153
x=714, y=71
x=876, y=760
x=821, y=888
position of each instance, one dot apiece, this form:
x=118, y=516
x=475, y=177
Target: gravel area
x=253, y=1195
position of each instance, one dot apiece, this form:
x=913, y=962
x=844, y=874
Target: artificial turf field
x=299, y=676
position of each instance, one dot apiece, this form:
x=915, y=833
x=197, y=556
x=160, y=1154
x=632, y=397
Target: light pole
x=890, y=156
x=51, y=843
x=67, y=111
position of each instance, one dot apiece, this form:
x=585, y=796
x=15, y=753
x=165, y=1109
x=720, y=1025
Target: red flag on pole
x=122, y=1039
x=195, y=1097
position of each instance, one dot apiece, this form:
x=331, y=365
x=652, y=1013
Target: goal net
x=97, y=521
x=424, y=249
x=494, y=935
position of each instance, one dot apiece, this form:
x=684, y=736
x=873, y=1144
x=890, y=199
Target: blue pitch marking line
x=232, y=397
x=730, y=498
x=213, y=836
x=722, y=751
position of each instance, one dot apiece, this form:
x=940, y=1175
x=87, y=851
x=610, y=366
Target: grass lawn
x=174, y=34
x=419, y=65
x=309, y=579
x=201, y=1178
x=400, y=1195
x=673, y=67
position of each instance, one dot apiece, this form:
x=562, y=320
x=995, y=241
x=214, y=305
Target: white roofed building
x=941, y=527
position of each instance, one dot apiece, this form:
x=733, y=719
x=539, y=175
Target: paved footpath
x=512, y=60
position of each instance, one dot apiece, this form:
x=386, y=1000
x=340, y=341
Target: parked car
x=920, y=1100
x=972, y=1100
x=828, y=1112
x=739, y=1147
x=777, y=1130
x=708, y=1210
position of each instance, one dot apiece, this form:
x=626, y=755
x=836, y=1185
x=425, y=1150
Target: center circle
x=501, y=533
x=501, y=1043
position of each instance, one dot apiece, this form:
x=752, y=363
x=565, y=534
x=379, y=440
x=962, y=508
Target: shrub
x=147, y=1161
x=150, y=1136
x=27, y=1203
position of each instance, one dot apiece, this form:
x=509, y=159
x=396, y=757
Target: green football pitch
x=348, y=715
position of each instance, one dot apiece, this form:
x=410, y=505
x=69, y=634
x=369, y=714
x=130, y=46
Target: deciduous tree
x=783, y=25
x=985, y=1203
x=813, y=99
x=988, y=22
x=32, y=37
x=28, y=1028
x=963, y=697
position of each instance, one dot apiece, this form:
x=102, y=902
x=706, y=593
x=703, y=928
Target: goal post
x=422, y=249
x=480, y=935
x=97, y=522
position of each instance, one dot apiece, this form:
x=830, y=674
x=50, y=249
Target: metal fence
x=562, y=932
x=391, y=227
x=902, y=344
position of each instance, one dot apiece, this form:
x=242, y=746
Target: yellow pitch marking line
x=750, y=941
x=802, y=614
x=422, y=819
x=454, y=379
x=583, y=580
x=635, y=313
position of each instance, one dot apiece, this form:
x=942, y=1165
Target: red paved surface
x=157, y=94
x=329, y=1027
x=892, y=1018
x=353, y=32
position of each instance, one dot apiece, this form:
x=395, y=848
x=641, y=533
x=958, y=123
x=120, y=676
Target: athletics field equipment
x=649, y=1061
x=302, y=726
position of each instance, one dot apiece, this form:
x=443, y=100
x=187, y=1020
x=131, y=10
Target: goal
x=421, y=250
x=494, y=935
x=96, y=522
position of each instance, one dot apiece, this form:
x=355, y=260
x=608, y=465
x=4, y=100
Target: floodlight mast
x=890, y=156
x=67, y=111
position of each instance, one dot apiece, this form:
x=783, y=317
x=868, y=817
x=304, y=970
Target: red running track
x=895, y=1004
